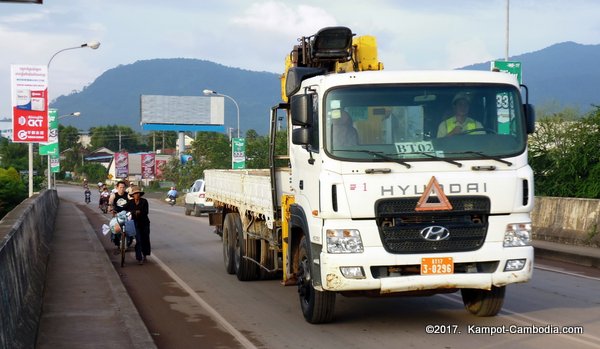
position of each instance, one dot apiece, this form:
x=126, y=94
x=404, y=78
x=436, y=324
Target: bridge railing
x=25, y=236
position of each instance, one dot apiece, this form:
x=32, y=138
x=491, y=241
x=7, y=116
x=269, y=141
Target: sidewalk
x=85, y=303
x=581, y=255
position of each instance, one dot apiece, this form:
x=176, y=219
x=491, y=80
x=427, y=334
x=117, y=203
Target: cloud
x=276, y=17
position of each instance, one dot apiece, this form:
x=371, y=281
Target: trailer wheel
x=483, y=302
x=245, y=269
x=229, y=238
x=317, y=306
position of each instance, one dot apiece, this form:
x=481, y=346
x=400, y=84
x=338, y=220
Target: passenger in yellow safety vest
x=459, y=122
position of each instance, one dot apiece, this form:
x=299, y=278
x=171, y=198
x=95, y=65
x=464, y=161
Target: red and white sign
x=148, y=164
x=29, y=85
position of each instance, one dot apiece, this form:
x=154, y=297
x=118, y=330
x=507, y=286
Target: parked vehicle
x=402, y=210
x=195, y=199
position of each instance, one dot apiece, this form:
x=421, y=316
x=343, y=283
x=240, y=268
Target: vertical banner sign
x=159, y=166
x=51, y=147
x=29, y=90
x=54, y=163
x=238, y=153
x=510, y=68
x=148, y=164
x=122, y=165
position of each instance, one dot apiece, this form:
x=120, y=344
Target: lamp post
x=93, y=45
x=214, y=93
x=238, y=145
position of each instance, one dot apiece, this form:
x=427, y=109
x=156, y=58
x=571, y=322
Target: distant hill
x=567, y=73
x=114, y=97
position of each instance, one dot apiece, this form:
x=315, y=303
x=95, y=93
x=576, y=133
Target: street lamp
x=74, y=114
x=93, y=45
x=211, y=92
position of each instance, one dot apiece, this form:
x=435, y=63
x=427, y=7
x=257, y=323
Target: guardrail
x=25, y=236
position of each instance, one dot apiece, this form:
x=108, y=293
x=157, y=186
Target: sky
x=256, y=35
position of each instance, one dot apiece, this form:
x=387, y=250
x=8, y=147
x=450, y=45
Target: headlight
x=517, y=234
x=344, y=241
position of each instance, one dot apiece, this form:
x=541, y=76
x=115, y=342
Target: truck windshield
x=423, y=122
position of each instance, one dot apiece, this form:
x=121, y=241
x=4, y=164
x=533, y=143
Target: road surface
x=187, y=299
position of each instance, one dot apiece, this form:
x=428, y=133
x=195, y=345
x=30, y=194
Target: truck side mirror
x=529, y=117
x=301, y=107
x=301, y=136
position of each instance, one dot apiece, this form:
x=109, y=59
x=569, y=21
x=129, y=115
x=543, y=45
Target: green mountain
x=114, y=97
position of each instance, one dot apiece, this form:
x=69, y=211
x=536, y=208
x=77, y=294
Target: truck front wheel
x=317, y=306
x=483, y=302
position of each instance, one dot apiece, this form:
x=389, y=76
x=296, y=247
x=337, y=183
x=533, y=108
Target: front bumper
x=376, y=258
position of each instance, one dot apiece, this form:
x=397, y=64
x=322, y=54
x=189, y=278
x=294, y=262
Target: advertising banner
x=122, y=165
x=160, y=165
x=51, y=147
x=29, y=89
x=238, y=153
x=148, y=165
x=54, y=163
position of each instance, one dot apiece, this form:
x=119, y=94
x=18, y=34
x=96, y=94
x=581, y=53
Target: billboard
x=182, y=113
x=29, y=89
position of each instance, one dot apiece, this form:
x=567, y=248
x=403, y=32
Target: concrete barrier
x=25, y=235
x=569, y=221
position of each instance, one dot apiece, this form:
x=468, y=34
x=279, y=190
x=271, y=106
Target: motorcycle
x=171, y=200
x=104, y=202
x=88, y=196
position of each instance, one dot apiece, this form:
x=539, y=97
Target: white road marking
x=566, y=272
x=213, y=313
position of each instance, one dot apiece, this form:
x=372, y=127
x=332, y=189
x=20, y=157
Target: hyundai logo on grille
x=435, y=233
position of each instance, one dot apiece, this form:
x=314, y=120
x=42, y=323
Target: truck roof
x=415, y=76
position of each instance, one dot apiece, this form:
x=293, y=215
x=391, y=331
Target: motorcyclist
x=172, y=194
x=117, y=203
x=104, y=196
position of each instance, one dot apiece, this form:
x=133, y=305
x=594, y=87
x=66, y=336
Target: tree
x=116, y=138
x=12, y=190
x=564, y=154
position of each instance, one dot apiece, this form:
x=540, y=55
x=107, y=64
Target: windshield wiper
x=380, y=155
x=484, y=156
x=437, y=158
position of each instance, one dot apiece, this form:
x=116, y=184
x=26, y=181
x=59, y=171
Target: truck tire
x=230, y=229
x=483, y=302
x=317, y=306
x=187, y=211
x=245, y=269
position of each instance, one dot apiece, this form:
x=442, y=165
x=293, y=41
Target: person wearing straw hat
x=138, y=206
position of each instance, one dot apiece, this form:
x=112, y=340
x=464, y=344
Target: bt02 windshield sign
x=29, y=85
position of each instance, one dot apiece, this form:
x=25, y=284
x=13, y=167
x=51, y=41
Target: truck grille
x=400, y=225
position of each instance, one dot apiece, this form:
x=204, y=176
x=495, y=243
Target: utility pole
x=119, y=140
x=507, y=23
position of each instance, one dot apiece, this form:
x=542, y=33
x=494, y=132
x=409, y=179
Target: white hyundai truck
x=407, y=182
